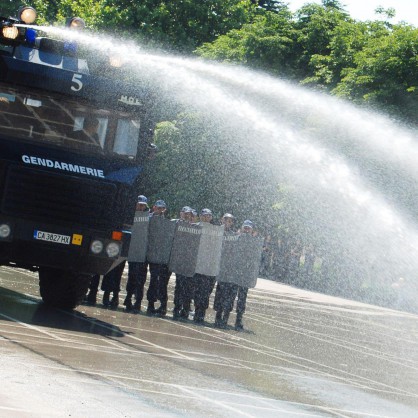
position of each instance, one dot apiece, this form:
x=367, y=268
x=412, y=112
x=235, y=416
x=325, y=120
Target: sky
x=406, y=10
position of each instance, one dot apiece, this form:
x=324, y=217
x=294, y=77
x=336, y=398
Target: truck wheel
x=62, y=288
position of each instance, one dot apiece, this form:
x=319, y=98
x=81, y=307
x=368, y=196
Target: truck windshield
x=66, y=122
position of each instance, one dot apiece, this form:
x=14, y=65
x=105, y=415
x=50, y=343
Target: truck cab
x=72, y=147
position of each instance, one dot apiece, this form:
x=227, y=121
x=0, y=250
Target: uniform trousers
x=225, y=296
x=183, y=293
x=203, y=287
x=159, y=277
x=137, y=276
x=111, y=280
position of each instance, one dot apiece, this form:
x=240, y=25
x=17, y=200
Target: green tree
x=315, y=25
x=297, y=46
x=385, y=73
x=90, y=10
x=270, y=5
x=10, y=7
x=47, y=11
x=56, y=12
x=181, y=25
x=178, y=25
x=267, y=43
x=200, y=163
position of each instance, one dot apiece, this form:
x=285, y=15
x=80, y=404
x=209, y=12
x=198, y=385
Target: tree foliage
x=198, y=166
x=319, y=45
x=373, y=63
x=9, y=7
x=180, y=25
x=385, y=72
x=267, y=43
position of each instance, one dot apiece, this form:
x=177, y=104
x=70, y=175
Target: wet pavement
x=301, y=354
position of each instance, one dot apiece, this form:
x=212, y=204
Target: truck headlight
x=27, y=14
x=5, y=231
x=96, y=247
x=112, y=249
x=10, y=32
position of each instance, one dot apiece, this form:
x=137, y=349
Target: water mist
x=352, y=174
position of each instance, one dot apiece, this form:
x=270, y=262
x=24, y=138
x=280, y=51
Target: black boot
x=162, y=310
x=225, y=319
x=128, y=302
x=176, y=313
x=106, y=297
x=151, y=308
x=218, y=319
x=186, y=310
x=114, y=303
x=91, y=298
x=184, y=313
x=136, y=308
x=199, y=316
x=238, y=322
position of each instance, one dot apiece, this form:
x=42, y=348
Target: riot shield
x=210, y=249
x=160, y=239
x=240, y=262
x=185, y=249
x=139, y=238
x=228, y=256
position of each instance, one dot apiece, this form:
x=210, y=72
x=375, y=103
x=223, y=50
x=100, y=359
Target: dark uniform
x=159, y=275
x=137, y=273
x=184, y=288
x=91, y=297
x=203, y=285
x=224, y=303
x=111, y=284
x=224, y=294
x=227, y=292
x=157, y=290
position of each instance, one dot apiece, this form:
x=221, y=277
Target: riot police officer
x=159, y=274
x=203, y=284
x=137, y=273
x=242, y=291
x=184, y=289
x=111, y=284
x=224, y=293
x=240, y=266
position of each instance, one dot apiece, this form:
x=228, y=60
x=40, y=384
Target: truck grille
x=36, y=194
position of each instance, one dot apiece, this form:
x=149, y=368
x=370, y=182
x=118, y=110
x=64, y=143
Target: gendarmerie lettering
x=74, y=168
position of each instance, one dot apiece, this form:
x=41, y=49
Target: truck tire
x=62, y=288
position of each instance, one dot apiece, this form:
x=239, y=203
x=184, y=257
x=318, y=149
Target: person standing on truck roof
x=137, y=273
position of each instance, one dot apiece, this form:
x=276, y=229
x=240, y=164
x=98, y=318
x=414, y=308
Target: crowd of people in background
x=288, y=261
x=196, y=289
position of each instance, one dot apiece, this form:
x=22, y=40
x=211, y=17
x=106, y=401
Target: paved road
x=302, y=355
